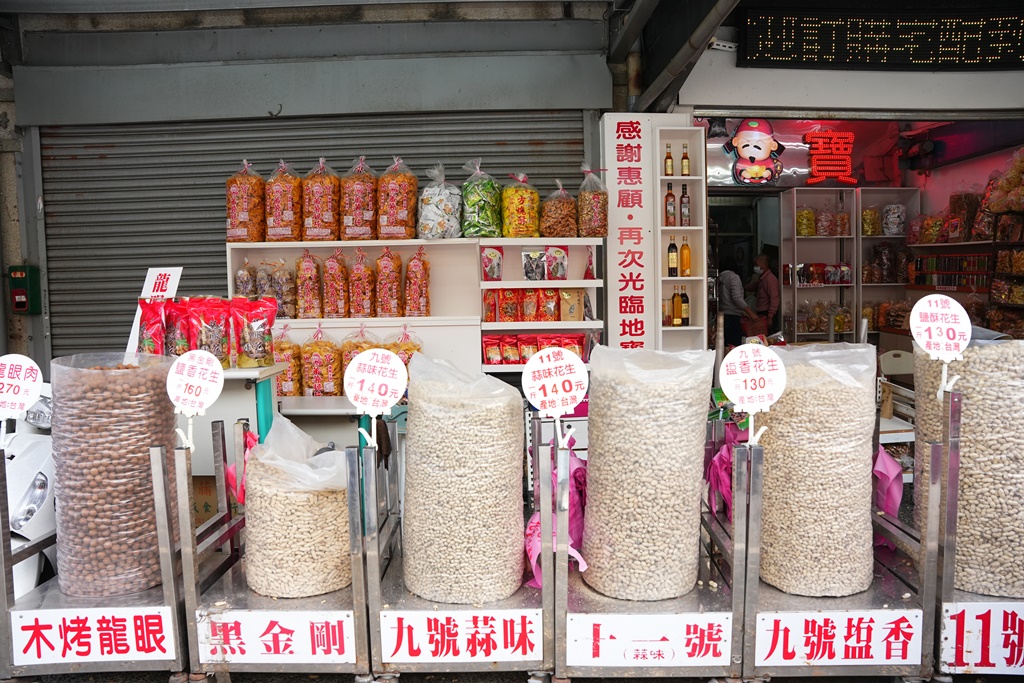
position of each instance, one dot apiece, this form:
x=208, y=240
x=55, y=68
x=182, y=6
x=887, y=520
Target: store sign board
x=940, y=325
x=195, y=382
x=160, y=284
x=630, y=157
x=77, y=636
x=853, y=638
x=462, y=636
x=982, y=637
x=21, y=383
x=276, y=637
x=649, y=640
x=375, y=380
x=555, y=381
x=753, y=377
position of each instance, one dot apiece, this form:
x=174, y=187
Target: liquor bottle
x=684, y=258
x=673, y=257
x=684, y=208
x=684, y=306
x=666, y=312
x=670, y=207
x=684, y=162
x=669, y=166
x=677, y=308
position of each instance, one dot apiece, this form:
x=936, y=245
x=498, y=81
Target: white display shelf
x=895, y=430
x=681, y=228
x=821, y=334
x=352, y=244
x=883, y=284
x=824, y=286
x=541, y=327
x=883, y=237
x=355, y=323
x=687, y=328
x=682, y=280
x=255, y=374
x=541, y=284
x=949, y=245
x=540, y=241
x=316, y=405
x=679, y=178
x=823, y=237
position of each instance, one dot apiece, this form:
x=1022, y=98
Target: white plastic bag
x=292, y=452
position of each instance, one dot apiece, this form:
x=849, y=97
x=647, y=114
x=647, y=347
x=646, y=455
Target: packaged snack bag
x=362, y=287
x=151, y=327
x=396, y=202
x=510, y=306
x=245, y=280
x=253, y=326
x=592, y=205
x=440, y=207
x=284, y=205
x=389, y=285
x=359, y=202
x=558, y=214
x=481, y=203
x=403, y=344
x=491, y=263
x=176, y=327
x=210, y=327
x=321, y=366
x=520, y=208
x=246, y=220
x=417, y=285
x=289, y=382
x=335, y=280
x=321, y=191
x=308, y=285
x=355, y=343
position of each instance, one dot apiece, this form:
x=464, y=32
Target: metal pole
x=542, y=464
x=6, y=577
x=562, y=563
x=753, y=574
x=738, y=562
x=189, y=568
x=355, y=529
x=953, y=403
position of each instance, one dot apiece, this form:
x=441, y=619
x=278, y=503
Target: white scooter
x=28, y=453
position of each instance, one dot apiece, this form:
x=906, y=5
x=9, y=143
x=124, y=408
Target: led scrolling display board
x=907, y=41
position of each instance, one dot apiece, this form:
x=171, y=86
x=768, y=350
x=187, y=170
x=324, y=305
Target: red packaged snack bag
x=284, y=205
x=549, y=306
x=359, y=202
x=397, y=197
x=246, y=220
x=547, y=341
x=556, y=262
x=588, y=272
x=492, y=349
x=362, y=287
x=253, y=326
x=151, y=327
x=510, y=350
x=490, y=306
x=491, y=259
x=530, y=301
x=527, y=346
x=176, y=327
x=289, y=382
x=307, y=282
x=574, y=343
x=389, y=285
x=209, y=327
x=510, y=309
x=417, y=285
x=321, y=189
x=335, y=286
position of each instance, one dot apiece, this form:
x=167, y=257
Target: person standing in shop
x=767, y=287
x=730, y=301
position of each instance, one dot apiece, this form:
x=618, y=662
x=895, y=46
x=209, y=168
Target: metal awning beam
x=623, y=38
x=148, y=6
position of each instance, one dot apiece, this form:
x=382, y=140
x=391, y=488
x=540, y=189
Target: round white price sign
x=941, y=326
x=21, y=383
x=375, y=380
x=753, y=377
x=555, y=381
x=195, y=382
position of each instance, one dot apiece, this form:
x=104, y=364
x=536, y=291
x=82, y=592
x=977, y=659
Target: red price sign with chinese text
x=195, y=382
x=982, y=637
x=941, y=326
x=753, y=377
x=375, y=380
x=21, y=383
x=501, y=635
x=91, y=634
x=872, y=637
x=277, y=637
x=649, y=640
x=555, y=381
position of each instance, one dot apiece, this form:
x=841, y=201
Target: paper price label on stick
x=195, y=382
x=941, y=326
x=555, y=381
x=375, y=380
x=21, y=383
x=753, y=377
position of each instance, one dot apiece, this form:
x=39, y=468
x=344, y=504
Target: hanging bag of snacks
x=558, y=214
x=389, y=285
x=321, y=366
x=321, y=190
x=592, y=204
x=440, y=211
x=397, y=192
x=481, y=203
x=289, y=382
x=417, y=285
x=335, y=286
x=520, y=208
x=359, y=202
x=246, y=220
x=308, y=284
x=355, y=343
x=362, y=287
x=284, y=205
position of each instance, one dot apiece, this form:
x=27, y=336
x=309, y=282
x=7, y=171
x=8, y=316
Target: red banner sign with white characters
x=649, y=640
x=277, y=637
x=982, y=637
x=64, y=636
x=868, y=637
x=462, y=636
x=629, y=156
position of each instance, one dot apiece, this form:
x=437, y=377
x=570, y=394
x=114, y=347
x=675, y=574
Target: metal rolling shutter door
x=121, y=199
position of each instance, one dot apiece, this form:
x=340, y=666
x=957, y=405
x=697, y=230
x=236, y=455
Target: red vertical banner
x=627, y=149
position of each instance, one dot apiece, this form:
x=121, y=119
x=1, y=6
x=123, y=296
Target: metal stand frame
x=49, y=596
x=892, y=581
x=722, y=561
x=214, y=576
x=386, y=589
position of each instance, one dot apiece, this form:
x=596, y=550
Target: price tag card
x=753, y=377
x=941, y=326
x=982, y=637
x=195, y=382
x=228, y=636
x=375, y=380
x=21, y=383
x=483, y=636
x=555, y=381
x=649, y=640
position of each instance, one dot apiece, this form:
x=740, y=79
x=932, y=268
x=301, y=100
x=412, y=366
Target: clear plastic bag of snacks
x=308, y=282
x=805, y=221
x=245, y=280
x=289, y=382
x=825, y=223
x=245, y=196
x=389, y=285
x=592, y=205
x=481, y=203
x=894, y=220
x=520, y=208
x=397, y=194
x=870, y=222
x=321, y=366
x=284, y=205
x=359, y=202
x=417, y=285
x=914, y=229
x=335, y=285
x=283, y=278
x=253, y=325
x=440, y=207
x=321, y=191
x=403, y=344
x=362, y=287
x=558, y=214
x=931, y=229
x=355, y=343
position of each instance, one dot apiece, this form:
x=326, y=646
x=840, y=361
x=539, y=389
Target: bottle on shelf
x=669, y=166
x=677, y=308
x=673, y=257
x=685, y=308
x=684, y=207
x=684, y=258
x=684, y=162
x=666, y=312
x=670, y=207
